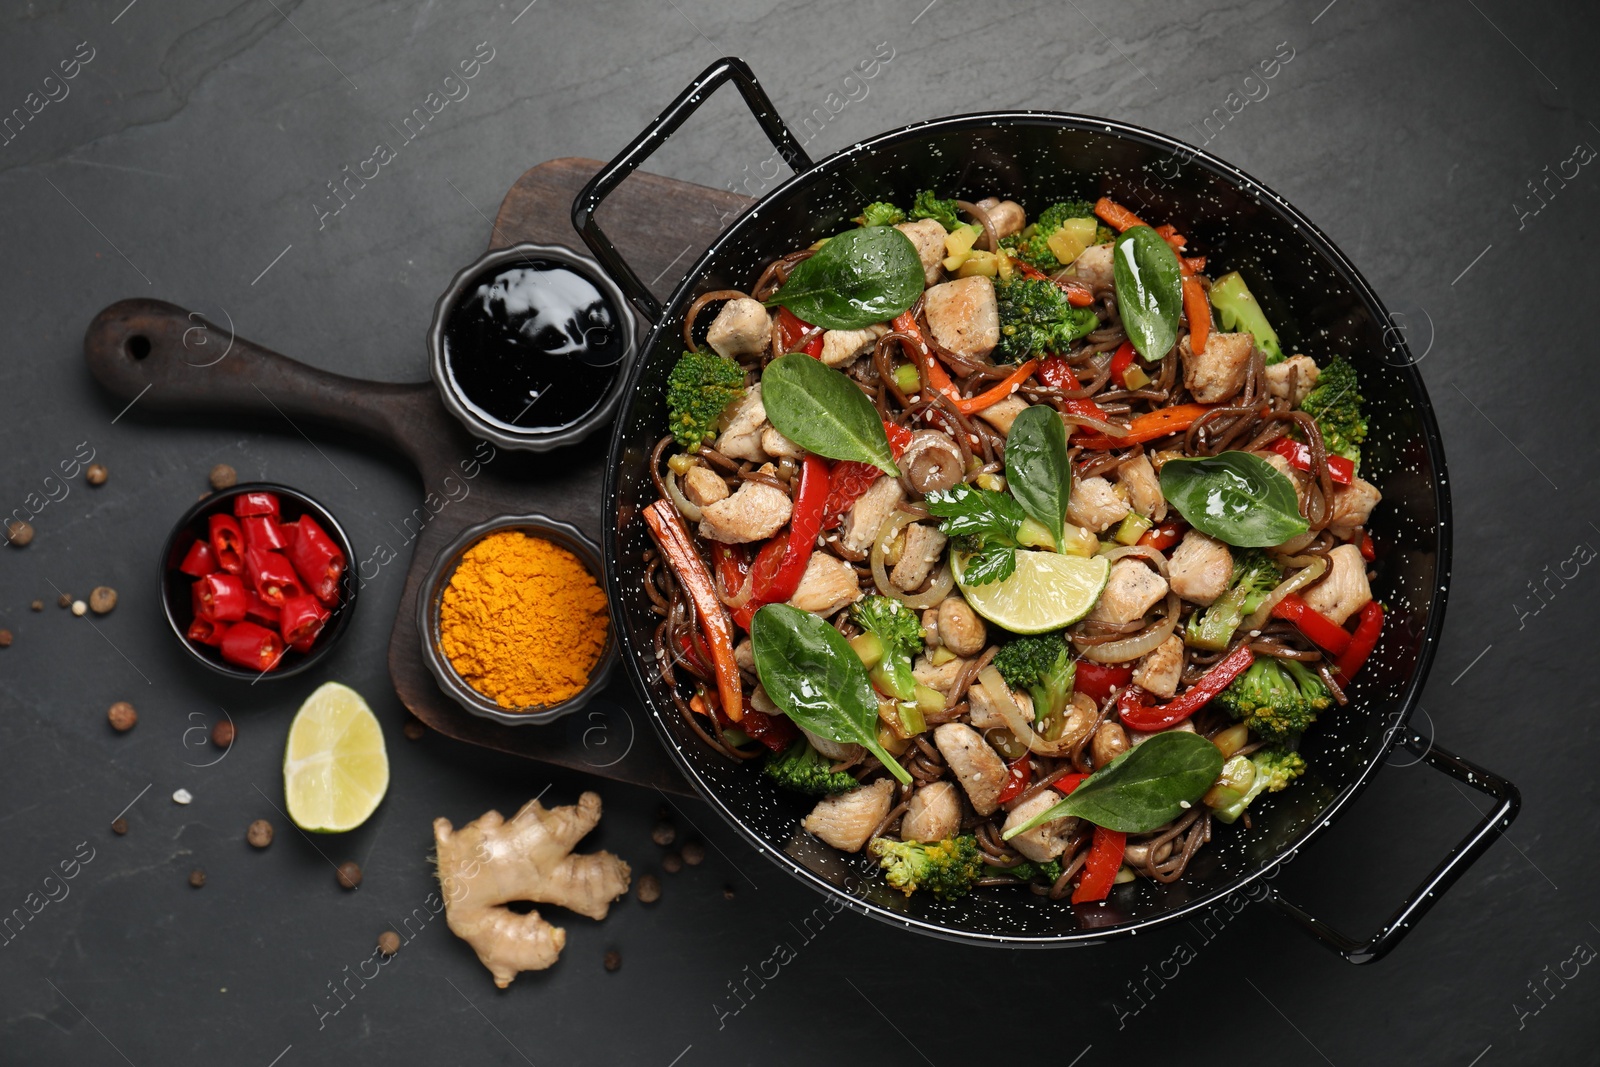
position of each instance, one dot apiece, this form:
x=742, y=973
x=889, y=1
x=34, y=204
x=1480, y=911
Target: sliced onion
x=689, y=511
x=1017, y=720
x=939, y=588
x=1293, y=584
x=1141, y=643
x=1150, y=555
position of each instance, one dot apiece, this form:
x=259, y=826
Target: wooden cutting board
x=139, y=347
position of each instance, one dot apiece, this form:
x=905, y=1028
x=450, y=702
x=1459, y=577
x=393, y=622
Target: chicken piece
x=1131, y=590
x=932, y=814
x=1352, y=506
x=985, y=714
x=1137, y=738
x=941, y=677
x=1093, y=265
x=866, y=515
x=841, y=346
x=1006, y=216
x=744, y=654
x=828, y=584
x=981, y=773
x=1292, y=379
x=1219, y=372
x=1046, y=841
x=702, y=486
x=754, y=513
x=927, y=236
x=924, y=545
x=1200, y=568
x=1094, y=504
x=846, y=820
x=760, y=701
x=741, y=328
x=964, y=316
x=828, y=748
x=778, y=446
x=1003, y=413
x=1160, y=669
x=1297, y=478
x=961, y=630
x=1343, y=590
x=1144, y=488
x=741, y=433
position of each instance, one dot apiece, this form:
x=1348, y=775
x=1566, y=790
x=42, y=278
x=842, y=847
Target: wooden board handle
x=174, y=360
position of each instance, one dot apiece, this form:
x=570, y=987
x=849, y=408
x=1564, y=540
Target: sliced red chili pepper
x=262, y=531
x=199, y=561
x=1298, y=453
x=227, y=542
x=256, y=504
x=1121, y=362
x=1068, y=782
x=1097, y=680
x=304, y=644
x=316, y=558
x=301, y=618
x=221, y=597
x=1138, y=714
x=1100, y=869
x=1164, y=535
x=1369, y=551
x=249, y=645
x=1362, y=642
x=259, y=610
x=205, y=632
x=850, y=479
x=791, y=328
x=1019, y=773
x=1317, y=627
x=272, y=575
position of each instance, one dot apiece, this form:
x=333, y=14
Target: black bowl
x=175, y=585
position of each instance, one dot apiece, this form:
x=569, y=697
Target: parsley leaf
x=987, y=523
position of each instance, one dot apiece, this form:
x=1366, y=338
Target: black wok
x=1321, y=305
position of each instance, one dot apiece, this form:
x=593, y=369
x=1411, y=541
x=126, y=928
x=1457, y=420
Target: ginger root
x=490, y=861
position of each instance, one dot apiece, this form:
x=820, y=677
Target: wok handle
x=1462, y=856
x=654, y=136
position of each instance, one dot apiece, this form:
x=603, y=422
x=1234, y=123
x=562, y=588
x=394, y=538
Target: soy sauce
x=533, y=345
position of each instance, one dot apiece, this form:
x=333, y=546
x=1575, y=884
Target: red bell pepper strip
x=316, y=558
x=220, y=597
x=1138, y=714
x=776, y=732
x=686, y=651
x=1067, y=783
x=255, y=647
x=199, y=561
x=205, y=632
x=272, y=575
x=1115, y=215
x=1298, y=453
x=301, y=617
x=1121, y=362
x=1100, y=869
x=256, y=504
x=227, y=543
x=672, y=537
x=1317, y=627
x=850, y=478
x=1096, y=680
x=1079, y=295
x=805, y=522
x=1362, y=642
x=262, y=531
x=1056, y=372
x=1197, y=309
x=1369, y=551
x=1164, y=535
x=1019, y=773
x=1148, y=427
x=791, y=328
x=762, y=569
x=258, y=610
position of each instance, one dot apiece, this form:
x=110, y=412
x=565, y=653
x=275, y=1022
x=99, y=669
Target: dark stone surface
x=193, y=149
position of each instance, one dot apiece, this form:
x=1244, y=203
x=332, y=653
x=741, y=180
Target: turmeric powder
x=523, y=621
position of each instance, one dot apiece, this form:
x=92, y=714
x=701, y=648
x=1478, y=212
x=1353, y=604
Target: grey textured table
x=188, y=159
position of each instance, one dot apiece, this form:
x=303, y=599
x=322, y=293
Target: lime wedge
x=1046, y=592
x=335, y=769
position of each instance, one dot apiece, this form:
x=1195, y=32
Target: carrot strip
x=1197, y=309
x=670, y=534
x=1115, y=215
x=1148, y=427
x=1175, y=240
x=1192, y=264
x=1008, y=385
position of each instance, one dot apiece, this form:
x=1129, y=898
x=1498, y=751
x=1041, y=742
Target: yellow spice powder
x=523, y=620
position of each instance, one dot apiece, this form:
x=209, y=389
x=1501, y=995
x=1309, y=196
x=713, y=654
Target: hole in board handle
x=138, y=346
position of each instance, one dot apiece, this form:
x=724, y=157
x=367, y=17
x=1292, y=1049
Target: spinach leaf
x=1149, y=284
x=824, y=412
x=1037, y=468
x=1235, y=497
x=860, y=277
x=810, y=671
x=987, y=523
x=1142, y=788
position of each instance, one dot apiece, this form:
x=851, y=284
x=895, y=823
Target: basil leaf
x=860, y=277
x=1142, y=788
x=811, y=672
x=1037, y=468
x=1235, y=497
x=824, y=412
x=1149, y=284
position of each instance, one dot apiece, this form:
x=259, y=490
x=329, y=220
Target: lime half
x=335, y=769
x=1046, y=592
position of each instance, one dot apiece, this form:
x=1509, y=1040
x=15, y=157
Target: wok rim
x=1317, y=241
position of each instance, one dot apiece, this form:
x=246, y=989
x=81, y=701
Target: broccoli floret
x=1036, y=319
x=1032, y=245
x=1254, y=576
x=805, y=770
x=699, y=389
x=1027, y=871
x=928, y=206
x=1237, y=308
x=1270, y=771
x=1336, y=405
x=945, y=868
x=1042, y=665
x=879, y=213
x=1277, y=698
x=899, y=634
